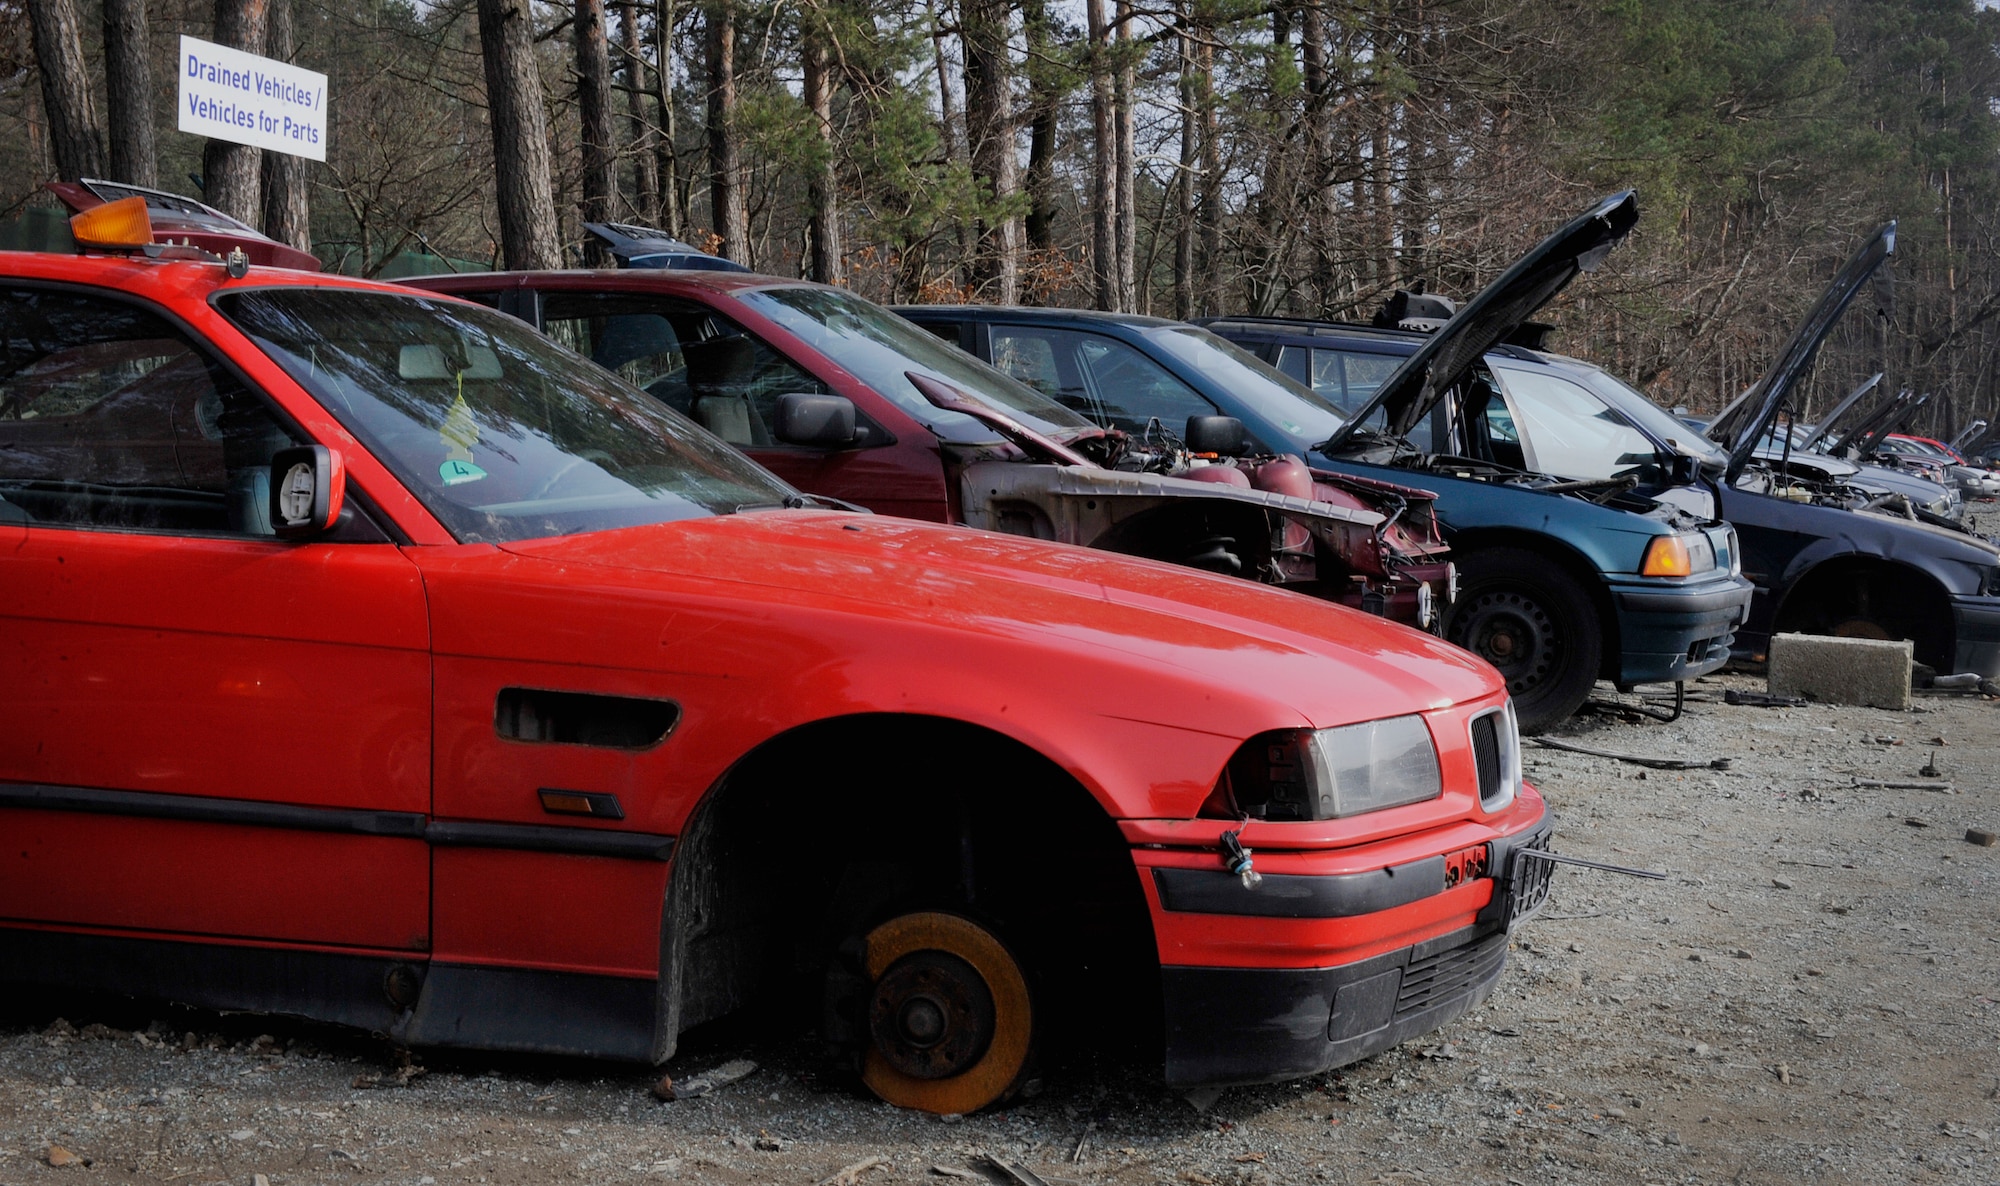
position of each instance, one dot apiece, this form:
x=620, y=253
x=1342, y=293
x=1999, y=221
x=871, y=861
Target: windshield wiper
x=800, y=502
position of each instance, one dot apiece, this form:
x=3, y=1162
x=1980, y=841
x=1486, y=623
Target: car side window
x=1135, y=390
x=111, y=418
x=1567, y=431
x=1044, y=359
x=698, y=362
x=1359, y=375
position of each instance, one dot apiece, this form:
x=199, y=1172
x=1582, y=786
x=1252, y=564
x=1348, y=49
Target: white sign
x=227, y=94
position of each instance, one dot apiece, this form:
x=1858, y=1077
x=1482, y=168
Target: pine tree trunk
x=523, y=192
x=287, y=213
x=725, y=153
x=671, y=208
x=1184, y=229
x=593, y=102
x=989, y=126
x=645, y=180
x=1103, y=162
x=1044, y=101
x=128, y=93
x=953, y=128
x=230, y=172
x=825, y=261
x=1127, y=217
x=1318, y=196
x=66, y=89
x=1208, y=213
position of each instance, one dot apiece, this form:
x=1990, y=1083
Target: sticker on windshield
x=455, y=472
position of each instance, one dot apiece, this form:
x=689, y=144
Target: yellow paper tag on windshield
x=459, y=432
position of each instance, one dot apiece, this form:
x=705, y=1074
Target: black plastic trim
x=1286, y=895
x=1233, y=1026
x=342, y=989
x=581, y=841
x=588, y=842
x=207, y=810
x=1675, y=601
x=471, y=1006
x=532, y=1009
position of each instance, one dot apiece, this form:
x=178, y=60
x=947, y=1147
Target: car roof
x=612, y=279
x=169, y=278
x=1309, y=329
x=1040, y=313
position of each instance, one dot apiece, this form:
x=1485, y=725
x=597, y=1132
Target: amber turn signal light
x=1666, y=556
x=120, y=224
x=596, y=803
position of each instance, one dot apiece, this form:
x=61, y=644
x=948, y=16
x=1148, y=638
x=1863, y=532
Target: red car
x=367, y=657
x=843, y=398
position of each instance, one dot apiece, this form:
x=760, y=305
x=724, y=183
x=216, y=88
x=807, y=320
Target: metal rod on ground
x=1559, y=859
x=1635, y=759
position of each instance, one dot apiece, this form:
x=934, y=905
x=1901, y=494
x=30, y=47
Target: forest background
x=1173, y=157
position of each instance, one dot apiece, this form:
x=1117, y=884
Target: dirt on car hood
x=1321, y=659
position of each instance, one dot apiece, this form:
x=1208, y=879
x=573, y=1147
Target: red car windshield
x=502, y=434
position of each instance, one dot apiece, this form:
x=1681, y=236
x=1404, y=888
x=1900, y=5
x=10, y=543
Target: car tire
x=1521, y=612
x=947, y=1024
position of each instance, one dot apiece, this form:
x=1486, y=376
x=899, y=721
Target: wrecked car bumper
x=1976, y=627
x=1389, y=953
x=1673, y=632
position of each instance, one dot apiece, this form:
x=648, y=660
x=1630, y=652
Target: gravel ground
x=1813, y=994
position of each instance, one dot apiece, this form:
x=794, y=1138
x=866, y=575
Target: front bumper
x=1675, y=631
x=1976, y=627
x=1228, y=1026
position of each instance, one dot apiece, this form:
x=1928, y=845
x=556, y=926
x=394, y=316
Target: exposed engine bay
x=1371, y=545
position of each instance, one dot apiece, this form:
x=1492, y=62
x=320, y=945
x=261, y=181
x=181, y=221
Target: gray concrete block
x=1862, y=671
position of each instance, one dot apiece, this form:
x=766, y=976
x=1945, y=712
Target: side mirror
x=308, y=484
x=1680, y=468
x=819, y=421
x=1221, y=435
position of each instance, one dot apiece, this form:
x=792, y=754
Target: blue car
x=1562, y=582
x=1830, y=547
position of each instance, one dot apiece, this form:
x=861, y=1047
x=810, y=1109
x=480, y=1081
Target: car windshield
x=501, y=433
x=880, y=349
x=1287, y=404
x=1651, y=419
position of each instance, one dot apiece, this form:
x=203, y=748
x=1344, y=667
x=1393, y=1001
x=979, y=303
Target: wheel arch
x=705, y=972
x=1922, y=599
x=1575, y=565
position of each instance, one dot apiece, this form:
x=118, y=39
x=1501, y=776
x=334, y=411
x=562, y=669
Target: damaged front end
x=1374, y=546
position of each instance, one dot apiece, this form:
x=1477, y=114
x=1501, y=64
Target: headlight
x=1677, y=556
x=1305, y=774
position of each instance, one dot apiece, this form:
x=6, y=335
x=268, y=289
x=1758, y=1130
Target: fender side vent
x=581, y=718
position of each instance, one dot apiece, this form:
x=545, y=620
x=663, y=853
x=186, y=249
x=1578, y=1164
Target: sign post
x=226, y=94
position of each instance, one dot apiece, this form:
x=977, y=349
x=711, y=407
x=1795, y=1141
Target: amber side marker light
x=1666, y=556
x=123, y=225
x=596, y=803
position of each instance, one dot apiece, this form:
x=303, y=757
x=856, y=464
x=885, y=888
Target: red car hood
x=1330, y=664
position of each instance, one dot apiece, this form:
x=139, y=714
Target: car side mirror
x=1223, y=436
x=1680, y=469
x=308, y=485
x=819, y=421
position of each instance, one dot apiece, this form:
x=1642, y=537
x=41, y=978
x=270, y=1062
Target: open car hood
x=1747, y=420
x=1840, y=411
x=1871, y=440
x=1408, y=395
x=1843, y=443
x=1973, y=434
